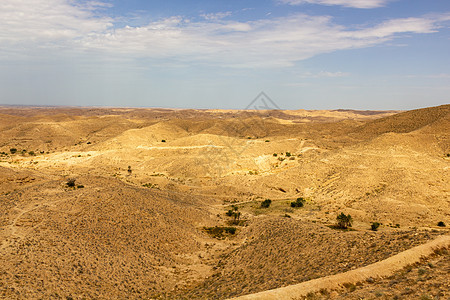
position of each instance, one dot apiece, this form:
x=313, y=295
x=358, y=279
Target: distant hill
x=405, y=122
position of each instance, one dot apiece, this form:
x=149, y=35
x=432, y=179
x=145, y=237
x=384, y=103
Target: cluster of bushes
x=298, y=203
x=24, y=151
x=219, y=232
x=287, y=155
x=235, y=214
x=71, y=183
x=150, y=185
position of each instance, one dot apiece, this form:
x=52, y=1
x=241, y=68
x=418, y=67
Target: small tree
x=235, y=214
x=13, y=150
x=375, y=226
x=266, y=203
x=344, y=221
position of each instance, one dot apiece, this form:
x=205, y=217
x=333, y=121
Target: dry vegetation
x=166, y=204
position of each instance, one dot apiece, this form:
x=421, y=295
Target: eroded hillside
x=116, y=203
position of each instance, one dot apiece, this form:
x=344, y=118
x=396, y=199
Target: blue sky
x=305, y=54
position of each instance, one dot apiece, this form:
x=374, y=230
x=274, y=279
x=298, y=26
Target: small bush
x=344, y=221
x=288, y=154
x=298, y=203
x=31, y=153
x=70, y=182
x=80, y=186
x=266, y=203
x=163, y=141
x=441, y=224
x=13, y=150
x=275, y=155
x=375, y=226
x=267, y=141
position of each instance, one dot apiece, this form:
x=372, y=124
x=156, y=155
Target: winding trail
x=379, y=269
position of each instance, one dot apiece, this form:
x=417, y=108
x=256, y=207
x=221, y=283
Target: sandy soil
x=148, y=182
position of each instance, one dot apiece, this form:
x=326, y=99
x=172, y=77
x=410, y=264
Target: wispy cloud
x=346, y=3
x=216, y=16
x=53, y=27
x=324, y=74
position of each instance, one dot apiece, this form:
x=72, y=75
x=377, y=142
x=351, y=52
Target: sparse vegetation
x=71, y=182
x=441, y=224
x=163, y=141
x=275, y=155
x=298, y=203
x=374, y=226
x=233, y=212
x=266, y=203
x=344, y=221
x=220, y=232
x=150, y=185
x=13, y=150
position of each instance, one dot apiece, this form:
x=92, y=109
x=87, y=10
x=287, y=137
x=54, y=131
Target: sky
x=304, y=54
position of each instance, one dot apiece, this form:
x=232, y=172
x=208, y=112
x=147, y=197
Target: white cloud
x=216, y=16
x=324, y=74
x=346, y=3
x=47, y=23
x=55, y=27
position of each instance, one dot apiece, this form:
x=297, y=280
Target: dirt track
x=377, y=270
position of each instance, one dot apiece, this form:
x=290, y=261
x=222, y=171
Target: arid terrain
x=104, y=203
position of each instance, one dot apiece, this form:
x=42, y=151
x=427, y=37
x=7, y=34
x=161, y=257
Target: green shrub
x=31, y=153
x=344, y=221
x=375, y=226
x=13, y=150
x=163, y=141
x=298, y=203
x=275, y=155
x=288, y=154
x=70, y=182
x=266, y=203
x=441, y=224
x=267, y=141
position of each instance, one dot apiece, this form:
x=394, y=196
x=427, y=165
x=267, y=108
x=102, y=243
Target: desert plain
x=134, y=203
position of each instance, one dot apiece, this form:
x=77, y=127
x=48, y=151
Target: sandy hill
x=405, y=122
x=107, y=240
x=134, y=224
